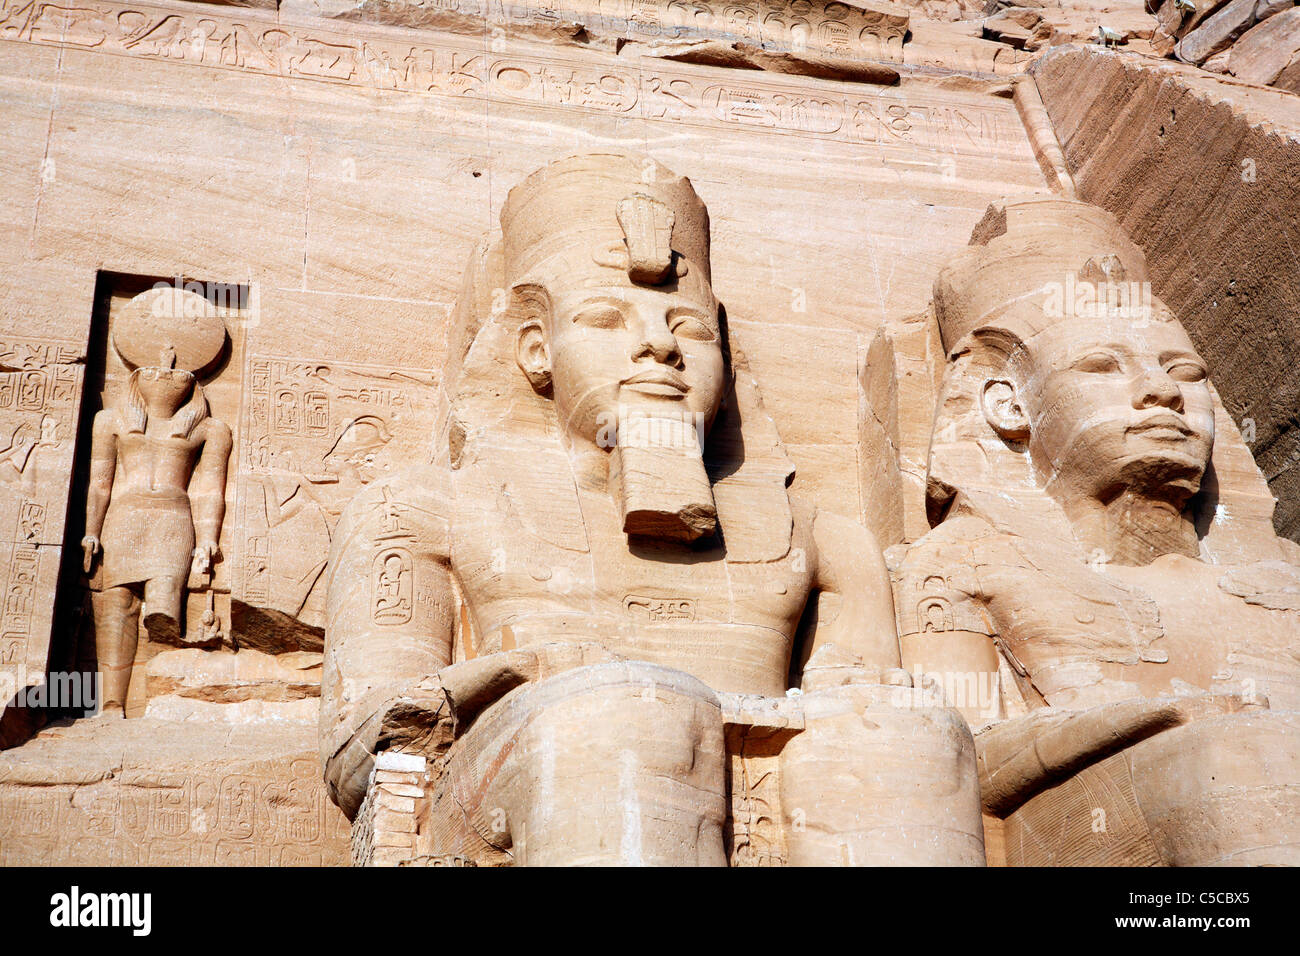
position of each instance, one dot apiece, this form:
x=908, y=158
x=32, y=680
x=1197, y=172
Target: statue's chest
x=1197, y=606
x=623, y=585
x=1218, y=639
x=143, y=455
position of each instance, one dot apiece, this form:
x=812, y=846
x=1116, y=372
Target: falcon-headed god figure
x=157, y=480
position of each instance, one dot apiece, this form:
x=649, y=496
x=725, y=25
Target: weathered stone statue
x=157, y=480
x=586, y=613
x=1103, y=561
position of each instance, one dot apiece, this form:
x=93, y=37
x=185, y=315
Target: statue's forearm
x=103, y=466
x=851, y=569
x=1022, y=756
x=96, y=509
x=208, y=501
x=209, y=510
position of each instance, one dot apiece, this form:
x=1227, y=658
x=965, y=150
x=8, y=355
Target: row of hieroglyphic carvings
x=313, y=435
x=40, y=389
x=386, y=59
x=182, y=818
x=828, y=28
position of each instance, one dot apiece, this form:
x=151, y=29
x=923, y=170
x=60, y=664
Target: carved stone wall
x=337, y=163
x=40, y=392
x=157, y=793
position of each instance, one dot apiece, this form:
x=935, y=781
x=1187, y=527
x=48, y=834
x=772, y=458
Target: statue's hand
x=90, y=547
x=204, y=555
x=830, y=666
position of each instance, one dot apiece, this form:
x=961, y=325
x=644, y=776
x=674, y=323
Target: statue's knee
x=669, y=721
x=1223, y=790
x=163, y=596
x=868, y=782
x=613, y=763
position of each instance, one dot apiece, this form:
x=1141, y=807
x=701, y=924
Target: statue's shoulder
x=809, y=517
x=214, y=430
x=938, y=573
x=422, y=485
x=105, y=422
x=803, y=512
x=958, y=538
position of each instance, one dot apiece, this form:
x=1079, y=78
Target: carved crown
x=586, y=216
x=1017, y=251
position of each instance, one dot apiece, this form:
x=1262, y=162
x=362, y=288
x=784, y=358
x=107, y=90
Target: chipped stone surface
x=553, y=430
x=152, y=792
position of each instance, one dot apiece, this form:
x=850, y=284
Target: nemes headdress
x=590, y=218
x=990, y=298
x=597, y=220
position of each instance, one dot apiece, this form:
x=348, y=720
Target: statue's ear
x=1003, y=410
x=530, y=309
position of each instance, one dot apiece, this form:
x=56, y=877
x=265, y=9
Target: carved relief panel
x=313, y=436
x=40, y=395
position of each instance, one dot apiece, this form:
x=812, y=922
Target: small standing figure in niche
x=157, y=480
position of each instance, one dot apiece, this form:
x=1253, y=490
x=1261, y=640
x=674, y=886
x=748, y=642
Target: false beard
x=659, y=481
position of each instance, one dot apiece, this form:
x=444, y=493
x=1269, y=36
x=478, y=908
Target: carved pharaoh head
x=353, y=454
x=1078, y=363
x=607, y=263
x=609, y=309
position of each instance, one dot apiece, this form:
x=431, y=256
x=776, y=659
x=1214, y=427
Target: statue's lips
x=1162, y=426
x=661, y=380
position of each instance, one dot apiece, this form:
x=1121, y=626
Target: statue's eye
x=1187, y=371
x=600, y=315
x=691, y=325
x=1098, y=362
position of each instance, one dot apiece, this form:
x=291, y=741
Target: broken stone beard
x=658, y=479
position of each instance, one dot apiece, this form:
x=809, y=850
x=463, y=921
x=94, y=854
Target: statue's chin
x=1159, y=472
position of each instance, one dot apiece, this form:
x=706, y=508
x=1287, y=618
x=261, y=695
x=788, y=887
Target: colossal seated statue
x=578, y=610
x=1102, y=558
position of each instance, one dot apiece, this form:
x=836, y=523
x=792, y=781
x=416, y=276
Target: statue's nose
x=1154, y=388
x=657, y=340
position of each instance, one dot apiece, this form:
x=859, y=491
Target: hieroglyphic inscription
x=833, y=28
x=860, y=31
x=391, y=586
x=385, y=58
x=754, y=833
x=189, y=818
x=313, y=435
x=40, y=389
x=652, y=610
